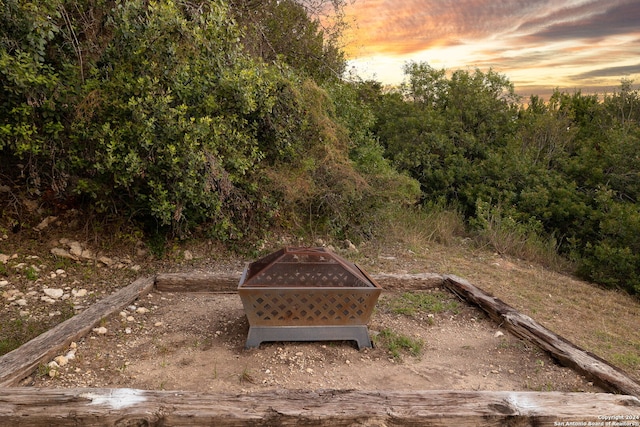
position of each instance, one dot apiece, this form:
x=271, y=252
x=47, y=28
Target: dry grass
x=602, y=321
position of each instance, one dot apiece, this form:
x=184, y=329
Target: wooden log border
x=29, y=406
x=129, y=407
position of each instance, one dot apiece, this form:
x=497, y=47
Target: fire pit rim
x=247, y=280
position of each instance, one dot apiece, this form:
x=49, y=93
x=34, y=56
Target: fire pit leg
x=259, y=334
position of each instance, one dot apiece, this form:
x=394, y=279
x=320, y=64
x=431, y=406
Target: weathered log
x=197, y=282
x=19, y=363
x=111, y=407
x=593, y=367
x=215, y=282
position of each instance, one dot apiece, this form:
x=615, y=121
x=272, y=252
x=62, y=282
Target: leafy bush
x=555, y=176
x=170, y=123
x=32, y=104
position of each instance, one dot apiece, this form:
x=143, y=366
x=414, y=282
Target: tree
x=287, y=31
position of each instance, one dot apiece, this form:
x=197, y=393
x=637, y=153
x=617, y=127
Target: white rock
x=45, y=223
x=60, y=271
x=79, y=293
x=12, y=294
x=130, y=318
x=47, y=299
x=350, y=246
x=61, y=360
x=123, y=314
x=53, y=292
x=127, y=330
x=498, y=334
x=106, y=260
x=73, y=345
x=53, y=364
x=62, y=253
x=53, y=275
x=3, y=283
x=88, y=254
x=53, y=373
x=75, y=248
x=100, y=331
x=70, y=355
x=4, y=258
x=158, y=324
x=21, y=302
x=142, y=310
x=188, y=256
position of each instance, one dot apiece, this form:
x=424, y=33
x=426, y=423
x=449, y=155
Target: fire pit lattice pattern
x=307, y=294
x=277, y=308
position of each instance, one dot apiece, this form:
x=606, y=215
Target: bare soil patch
x=196, y=342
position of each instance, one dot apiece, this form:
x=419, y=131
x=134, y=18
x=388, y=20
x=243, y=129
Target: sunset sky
x=538, y=44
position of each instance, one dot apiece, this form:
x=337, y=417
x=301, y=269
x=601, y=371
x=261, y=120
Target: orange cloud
x=555, y=42
x=410, y=26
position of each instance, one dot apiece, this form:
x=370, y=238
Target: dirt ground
x=181, y=341
x=196, y=341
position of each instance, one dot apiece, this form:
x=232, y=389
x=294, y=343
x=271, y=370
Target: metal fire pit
x=307, y=294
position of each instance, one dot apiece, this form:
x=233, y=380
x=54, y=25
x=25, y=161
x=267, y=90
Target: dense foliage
x=567, y=169
x=230, y=117
x=154, y=111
